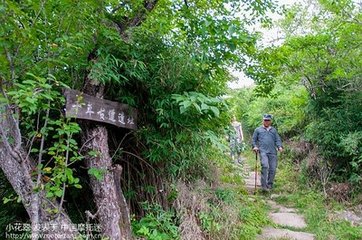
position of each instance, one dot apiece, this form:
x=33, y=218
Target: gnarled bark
x=112, y=210
x=18, y=169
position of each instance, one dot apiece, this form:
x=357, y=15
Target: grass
x=252, y=210
x=316, y=209
x=237, y=214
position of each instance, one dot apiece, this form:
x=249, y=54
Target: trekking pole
x=256, y=169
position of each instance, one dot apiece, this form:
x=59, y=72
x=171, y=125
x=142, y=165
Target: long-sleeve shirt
x=266, y=139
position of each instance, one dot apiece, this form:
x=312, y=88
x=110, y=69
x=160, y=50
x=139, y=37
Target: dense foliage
x=170, y=59
x=314, y=85
x=170, y=62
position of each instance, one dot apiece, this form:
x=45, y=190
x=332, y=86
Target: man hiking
x=266, y=141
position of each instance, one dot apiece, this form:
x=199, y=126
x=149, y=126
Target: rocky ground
x=290, y=224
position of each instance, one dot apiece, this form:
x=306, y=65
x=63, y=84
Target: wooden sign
x=83, y=106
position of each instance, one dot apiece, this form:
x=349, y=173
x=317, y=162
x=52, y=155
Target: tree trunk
x=18, y=169
x=112, y=210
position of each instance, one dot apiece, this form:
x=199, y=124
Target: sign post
x=83, y=106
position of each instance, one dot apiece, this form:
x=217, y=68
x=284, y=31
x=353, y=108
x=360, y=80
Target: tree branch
x=40, y=156
x=136, y=156
x=127, y=23
x=14, y=122
x=121, y=5
x=66, y=164
x=7, y=144
x=119, y=145
x=11, y=64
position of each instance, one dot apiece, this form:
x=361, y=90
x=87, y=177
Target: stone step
x=276, y=233
x=280, y=208
x=281, y=215
x=288, y=219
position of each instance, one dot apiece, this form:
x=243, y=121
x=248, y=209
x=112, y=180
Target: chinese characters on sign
x=83, y=106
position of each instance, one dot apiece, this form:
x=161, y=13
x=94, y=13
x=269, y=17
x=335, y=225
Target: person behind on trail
x=267, y=141
x=236, y=139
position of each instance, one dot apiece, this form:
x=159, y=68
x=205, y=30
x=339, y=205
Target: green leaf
x=215, y=110
x=204, y=106
x=49, y=195
x=58, y=192
x=186, y=104
x=47, y=170
x=144, y=231
x=97, y=173
x=197, y=107
x=34, y=150
x=93, y=153
x=8, y=199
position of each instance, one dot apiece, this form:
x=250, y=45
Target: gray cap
x=267, y=117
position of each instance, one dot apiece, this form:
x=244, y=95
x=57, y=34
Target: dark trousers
x=269, y=164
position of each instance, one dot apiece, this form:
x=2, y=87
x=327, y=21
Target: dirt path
x=289, y=223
